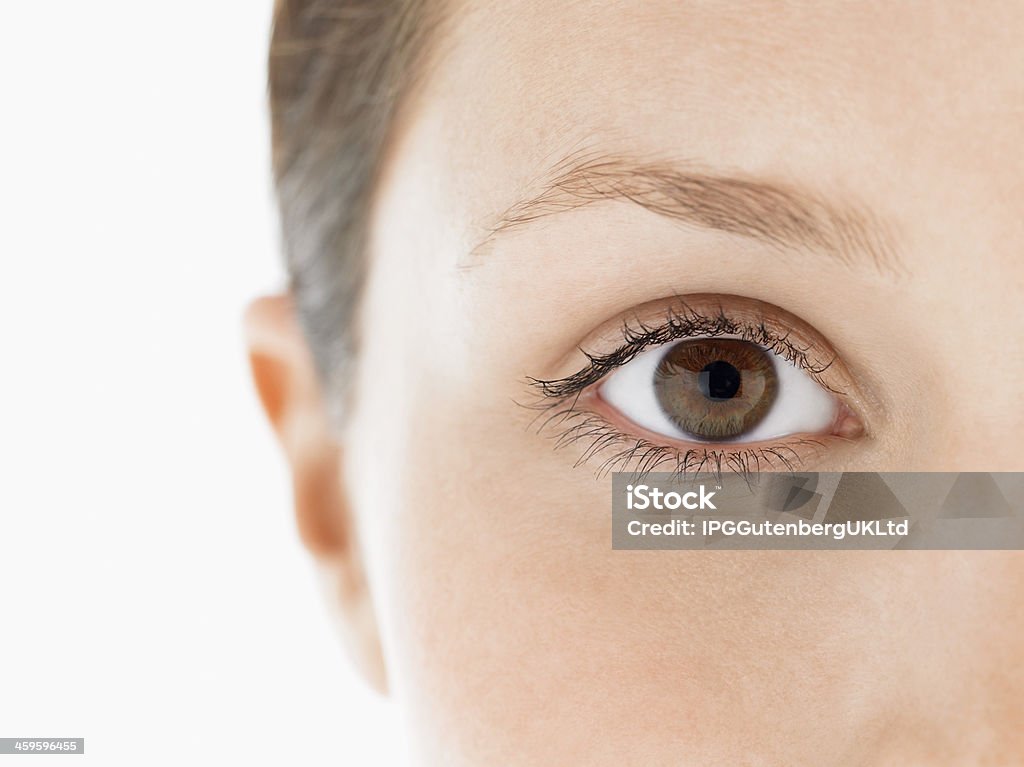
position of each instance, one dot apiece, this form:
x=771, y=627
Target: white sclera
x=801, y=405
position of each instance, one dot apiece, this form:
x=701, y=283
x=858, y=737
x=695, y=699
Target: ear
x=288, y=387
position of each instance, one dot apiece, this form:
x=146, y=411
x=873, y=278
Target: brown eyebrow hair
x=784, y=217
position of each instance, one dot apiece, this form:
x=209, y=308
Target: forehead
x=886, y=99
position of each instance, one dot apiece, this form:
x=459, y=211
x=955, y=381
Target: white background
x=154, y=597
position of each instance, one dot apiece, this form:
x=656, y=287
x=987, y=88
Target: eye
x=719, y=390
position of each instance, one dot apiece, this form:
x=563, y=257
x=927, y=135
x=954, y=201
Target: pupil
x=719, y=380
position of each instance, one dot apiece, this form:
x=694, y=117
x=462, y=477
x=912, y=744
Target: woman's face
x=846, y=176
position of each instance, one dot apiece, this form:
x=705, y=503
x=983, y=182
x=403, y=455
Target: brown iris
x=715, y=388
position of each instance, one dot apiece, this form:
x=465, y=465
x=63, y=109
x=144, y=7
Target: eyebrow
x=784, y=217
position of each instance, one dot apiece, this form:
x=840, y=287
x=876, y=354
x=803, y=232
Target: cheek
x=511, y=627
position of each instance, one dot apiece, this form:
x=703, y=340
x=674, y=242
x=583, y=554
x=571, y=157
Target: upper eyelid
x=677, y=326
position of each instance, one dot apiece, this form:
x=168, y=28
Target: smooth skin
x=473, y=561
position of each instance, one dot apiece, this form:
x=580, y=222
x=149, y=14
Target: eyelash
x=559, y=399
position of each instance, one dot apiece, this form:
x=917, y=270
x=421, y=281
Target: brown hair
x=338, y=71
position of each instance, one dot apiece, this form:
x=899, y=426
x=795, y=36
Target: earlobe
x=286, y=381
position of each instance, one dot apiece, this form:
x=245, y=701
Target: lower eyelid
x=601, y=439
x=595, y=404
